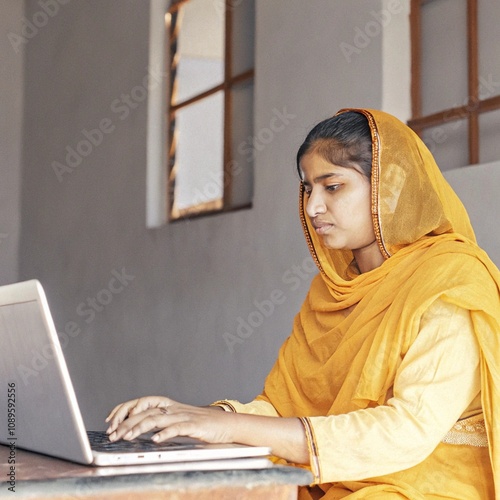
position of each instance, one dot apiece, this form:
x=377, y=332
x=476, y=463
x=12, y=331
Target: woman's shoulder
x=459, y=258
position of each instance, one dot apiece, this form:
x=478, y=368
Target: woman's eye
x=332, y=187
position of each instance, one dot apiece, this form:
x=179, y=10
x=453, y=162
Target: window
x=456, y=79
x=211, y=47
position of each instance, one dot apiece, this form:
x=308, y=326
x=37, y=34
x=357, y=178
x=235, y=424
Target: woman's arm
x=436, y=383
x=285, y=436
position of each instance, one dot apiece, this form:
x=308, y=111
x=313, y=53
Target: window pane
x=489, y=145
x=199, y=153
x=489, y=42
x=200, y=48
x=243, y=13
x=449, y=144
x=444, y=55
x=243, y=146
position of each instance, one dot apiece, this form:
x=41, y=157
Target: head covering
x=341, y=358
x=410, y=197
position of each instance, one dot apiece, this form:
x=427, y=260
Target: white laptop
x=39, y=411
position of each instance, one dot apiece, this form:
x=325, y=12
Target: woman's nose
x=315, y=204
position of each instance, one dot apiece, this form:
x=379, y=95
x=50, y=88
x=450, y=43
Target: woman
x=389, y=385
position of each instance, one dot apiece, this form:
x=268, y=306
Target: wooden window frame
x=227, y=85
x=474, y=106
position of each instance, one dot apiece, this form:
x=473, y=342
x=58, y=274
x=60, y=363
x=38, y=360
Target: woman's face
x=339, y=206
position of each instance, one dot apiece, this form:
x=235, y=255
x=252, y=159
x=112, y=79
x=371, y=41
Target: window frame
x=226, y=86
x=474, y=107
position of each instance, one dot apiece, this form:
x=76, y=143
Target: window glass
x=455, y=44
x=489, y=127
x=211, y=46
x=444, y=53
x=199, y=153
x=200, y=49
x=489, y=43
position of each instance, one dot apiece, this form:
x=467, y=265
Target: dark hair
x=343, y=140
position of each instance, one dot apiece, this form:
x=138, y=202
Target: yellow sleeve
x=256, y=407
x=435, y=385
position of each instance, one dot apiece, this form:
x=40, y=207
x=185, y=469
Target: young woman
x=389, y=385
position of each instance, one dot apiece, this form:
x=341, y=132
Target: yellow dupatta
x=353, y=329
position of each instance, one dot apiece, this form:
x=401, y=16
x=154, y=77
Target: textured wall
x=146, y=311
x=11, y=102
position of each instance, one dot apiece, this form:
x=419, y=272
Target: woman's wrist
x=224, y=405
x=285, y=436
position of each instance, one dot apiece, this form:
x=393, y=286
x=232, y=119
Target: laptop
x=39, y=411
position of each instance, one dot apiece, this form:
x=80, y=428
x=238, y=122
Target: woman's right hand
x=169, y=419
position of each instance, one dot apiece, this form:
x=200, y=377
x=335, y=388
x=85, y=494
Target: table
x=42, y=477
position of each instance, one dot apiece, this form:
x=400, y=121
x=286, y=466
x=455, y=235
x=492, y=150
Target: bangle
x=225, y=405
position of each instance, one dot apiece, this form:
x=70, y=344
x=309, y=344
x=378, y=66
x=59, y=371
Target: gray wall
x=11, y=101
x=162, y=332
x=477, y=187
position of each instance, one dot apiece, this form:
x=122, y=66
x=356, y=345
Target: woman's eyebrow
x=323, y=177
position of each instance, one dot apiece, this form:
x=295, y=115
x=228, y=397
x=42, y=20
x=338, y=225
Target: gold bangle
x=225, y=405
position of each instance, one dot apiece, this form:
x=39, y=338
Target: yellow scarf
x=353, y=329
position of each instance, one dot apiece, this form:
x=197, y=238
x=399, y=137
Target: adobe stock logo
x=90, y=139
x=263, y=309
x=373, y=28
x=256, y=143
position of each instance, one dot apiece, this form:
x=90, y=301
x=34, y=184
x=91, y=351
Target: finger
x=179, y=426
x=126, y=410
x=124, y=428
x=117, y=419
x=172, y=431
x=144, y=424
x=184, y=423
x=149, y=402
x=112, y=412
x=120, y=413
x=134, y=407
x=139, y=405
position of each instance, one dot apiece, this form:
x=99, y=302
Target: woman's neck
x=368, y=257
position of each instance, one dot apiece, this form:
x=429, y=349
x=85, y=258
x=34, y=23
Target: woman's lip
x=322, y=228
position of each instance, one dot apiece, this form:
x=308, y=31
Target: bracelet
x=225, y=405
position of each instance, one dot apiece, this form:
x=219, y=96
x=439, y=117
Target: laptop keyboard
x=99, y=441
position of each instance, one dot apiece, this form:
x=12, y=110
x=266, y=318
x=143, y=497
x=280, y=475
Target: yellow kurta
x=380, y=365
x=401, y=433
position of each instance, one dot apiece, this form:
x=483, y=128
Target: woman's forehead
x=315, y=168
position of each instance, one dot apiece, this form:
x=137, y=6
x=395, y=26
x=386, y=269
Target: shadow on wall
x=477, y=187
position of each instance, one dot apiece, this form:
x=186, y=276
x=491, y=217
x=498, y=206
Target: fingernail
x=128, y=435
x=112, y=436
x=155, y=438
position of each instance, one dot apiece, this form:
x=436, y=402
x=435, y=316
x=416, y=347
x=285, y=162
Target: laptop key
x=99, y=441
